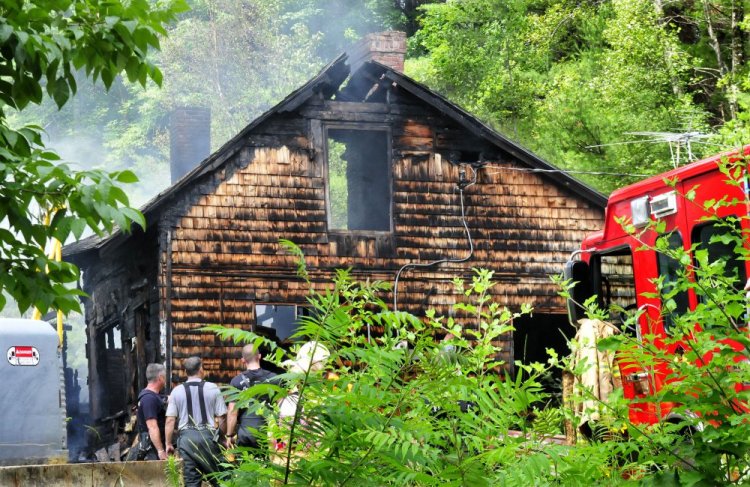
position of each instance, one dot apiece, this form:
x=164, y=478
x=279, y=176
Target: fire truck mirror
x=578, y=272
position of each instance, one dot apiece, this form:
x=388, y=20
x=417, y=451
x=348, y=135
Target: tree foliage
x=43, y=43
x=573, y=80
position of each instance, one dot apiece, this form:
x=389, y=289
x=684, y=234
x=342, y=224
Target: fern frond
x=238, y=336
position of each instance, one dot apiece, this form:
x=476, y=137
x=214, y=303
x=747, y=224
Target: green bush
x=436, y=412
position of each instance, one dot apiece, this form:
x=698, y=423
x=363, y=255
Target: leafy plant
x=173, y=471
x=43, y=43
x=405, y=407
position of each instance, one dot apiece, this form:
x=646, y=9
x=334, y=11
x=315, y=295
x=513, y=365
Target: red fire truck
x=616, y=266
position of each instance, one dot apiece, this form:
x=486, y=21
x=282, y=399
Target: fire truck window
x=724, y=251
x=359, y=187
x=279, y=321
x=615, y=284
x=669, y=270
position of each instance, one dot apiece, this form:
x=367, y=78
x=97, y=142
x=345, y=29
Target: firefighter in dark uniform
x=151, y=415
x=198, y=410
x=243, y=424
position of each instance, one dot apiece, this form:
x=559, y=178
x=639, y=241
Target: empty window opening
x=359, y=188
x=114, y=338
x=112, y=393
x=279, y=321
x=614, y=284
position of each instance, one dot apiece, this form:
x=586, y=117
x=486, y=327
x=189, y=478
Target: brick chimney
x=387, y=48
x=189, y=139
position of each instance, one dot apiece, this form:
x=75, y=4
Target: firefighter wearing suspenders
x=196, y=407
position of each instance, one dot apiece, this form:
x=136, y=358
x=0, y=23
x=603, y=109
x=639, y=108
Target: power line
x=675, y=140
x=446, y=260
x=562, y=171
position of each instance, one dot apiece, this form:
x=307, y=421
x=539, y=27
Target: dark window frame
x=682, y=299
x=734, y=260
x=260, y=329
x=368, y=127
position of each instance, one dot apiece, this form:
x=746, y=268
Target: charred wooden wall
x=221, y=251
x=122, y=322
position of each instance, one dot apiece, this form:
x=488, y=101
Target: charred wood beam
x=359, y=86
x=379, y=94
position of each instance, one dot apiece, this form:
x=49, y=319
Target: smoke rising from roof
x=237, y=58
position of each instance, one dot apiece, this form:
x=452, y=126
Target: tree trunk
x=217, y=54
x=713, y=39
x=738, y=16
x=716, y=46
x=673, y=78
x=567, y=386
x=737, y=37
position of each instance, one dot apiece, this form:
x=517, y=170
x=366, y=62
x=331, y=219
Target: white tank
x=32, y=398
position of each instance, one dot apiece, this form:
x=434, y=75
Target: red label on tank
x=23, y=355
x=25, y=352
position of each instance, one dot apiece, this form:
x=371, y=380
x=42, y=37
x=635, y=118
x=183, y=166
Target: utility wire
x=461, y=188
x=562, y=171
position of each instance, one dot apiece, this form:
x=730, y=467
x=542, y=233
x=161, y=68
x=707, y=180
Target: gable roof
x=326, y=83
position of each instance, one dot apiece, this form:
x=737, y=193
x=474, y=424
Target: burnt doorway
x=110, y=385
x=533, y=335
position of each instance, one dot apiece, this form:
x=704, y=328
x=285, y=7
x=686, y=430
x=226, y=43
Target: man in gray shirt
x=196, y=407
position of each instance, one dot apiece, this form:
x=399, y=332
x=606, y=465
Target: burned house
x=362, y=167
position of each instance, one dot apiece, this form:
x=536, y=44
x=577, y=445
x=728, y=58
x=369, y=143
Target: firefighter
x=196, y=407
x=250, y=420
x=151, y=415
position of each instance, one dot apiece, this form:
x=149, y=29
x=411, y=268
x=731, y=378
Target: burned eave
x=81, y=251
x=512, y=149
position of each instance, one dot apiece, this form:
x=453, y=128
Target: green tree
x=236, y=58
x=43, y=44
x=626, y=81
x=573, y=80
